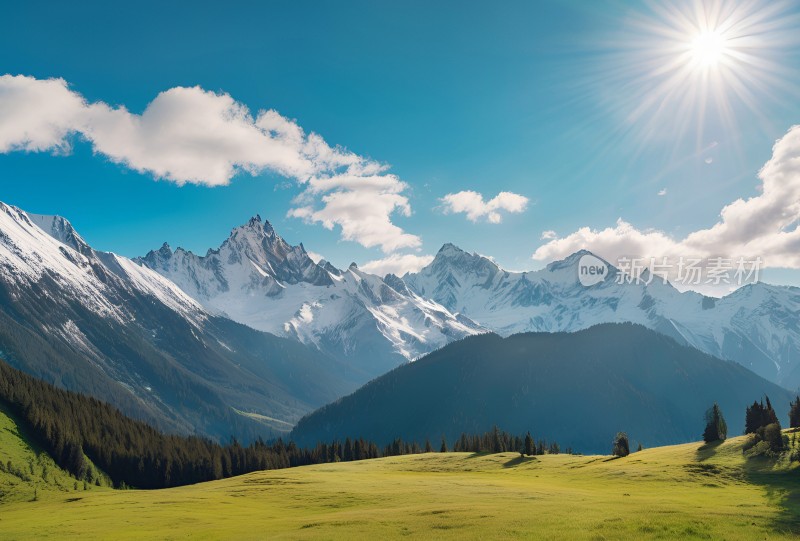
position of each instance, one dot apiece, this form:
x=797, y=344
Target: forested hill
x=577, y=388
x=69, y=425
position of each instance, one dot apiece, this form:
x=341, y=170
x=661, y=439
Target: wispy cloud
x=473, y=205
x=397, y=264
x=662, y=192
x=191, y=135
x=766, y=225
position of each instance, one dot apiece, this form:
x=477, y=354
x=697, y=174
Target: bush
x=768, y=441
x=773, y=436
x=621, y=445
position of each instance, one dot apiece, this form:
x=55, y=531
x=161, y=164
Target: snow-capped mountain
x=257, y=279
x=99, y=323
x=757, y=326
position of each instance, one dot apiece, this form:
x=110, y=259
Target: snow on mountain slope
x=98, y=323
x=32, y=245
x=757, y=325
x=257, y=279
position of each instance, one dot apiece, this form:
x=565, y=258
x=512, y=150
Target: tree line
x=72, y=427
x=762, y=422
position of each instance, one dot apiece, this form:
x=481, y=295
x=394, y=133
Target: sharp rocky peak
x=451, y=255
x=59, y=228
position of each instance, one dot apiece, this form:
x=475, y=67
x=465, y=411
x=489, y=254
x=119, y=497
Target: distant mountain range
x=374, y=324
x=101, y=324
x=757, y=325
x=576, y=388
x=254, y=334
x=256, y=278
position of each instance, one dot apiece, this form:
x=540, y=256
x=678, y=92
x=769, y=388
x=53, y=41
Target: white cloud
x=766, y=225
x=473, y=205
x=190, y=135
x=397, y=264
x=549, y=234
x=315, y=257
x=662, y=192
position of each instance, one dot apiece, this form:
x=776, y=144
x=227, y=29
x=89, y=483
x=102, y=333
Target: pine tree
x=716, y=428
x=752, y=418
x=530, y=447
x=620, y=446
x=794, y=413
x=497, y=442
x=770, y=415
x=428, y=447
x=443, y=448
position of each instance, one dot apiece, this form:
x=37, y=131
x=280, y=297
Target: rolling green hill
x=689, y=491
x=26, y=472
x=576, y=388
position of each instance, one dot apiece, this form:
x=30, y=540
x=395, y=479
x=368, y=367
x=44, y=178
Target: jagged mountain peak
x=449, y=249
x=253, y=257
x=258, y=279
x=60, y=229
x=451, y=258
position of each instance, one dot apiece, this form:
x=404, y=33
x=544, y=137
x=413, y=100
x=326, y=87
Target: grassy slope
x=32, y=471
x=683, y=491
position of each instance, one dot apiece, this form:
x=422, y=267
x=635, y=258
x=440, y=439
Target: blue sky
x=533, y=98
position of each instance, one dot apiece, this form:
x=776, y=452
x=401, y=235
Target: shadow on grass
x=479, y=454
x=707, y=450
x=783, y=489
x=520, y=460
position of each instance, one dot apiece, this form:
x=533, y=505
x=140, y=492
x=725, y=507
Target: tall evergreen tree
x=497, y=442
x=759, y=415
x=530, y=447
x=716, y=428
x=443, y=448
x=794, y=413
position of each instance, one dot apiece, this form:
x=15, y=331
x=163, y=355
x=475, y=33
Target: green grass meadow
x=689, y=491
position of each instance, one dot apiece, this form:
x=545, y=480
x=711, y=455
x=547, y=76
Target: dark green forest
x=72, y=427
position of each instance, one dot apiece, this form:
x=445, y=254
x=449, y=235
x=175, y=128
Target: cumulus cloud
x=766, y=225
x=397, y=264
x=662, y=192
x=473, y=205
x=549, y=234
x=190, y=135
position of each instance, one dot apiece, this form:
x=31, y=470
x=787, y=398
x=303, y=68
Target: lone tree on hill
x=621, y=446
x=794, y=413
x=716, y=427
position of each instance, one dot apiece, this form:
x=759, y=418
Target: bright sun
x=708, y=48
